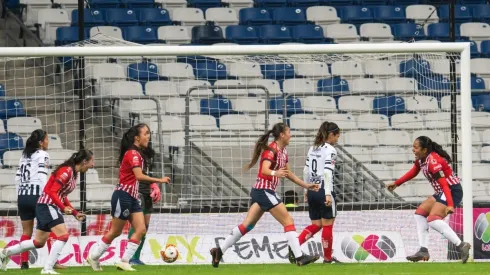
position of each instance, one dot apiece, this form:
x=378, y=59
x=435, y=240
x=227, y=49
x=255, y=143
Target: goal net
x=206, y=107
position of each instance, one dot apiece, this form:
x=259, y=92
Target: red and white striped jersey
x=435, y=164
x=66, y=178
x=278, y=159
x=127, y=181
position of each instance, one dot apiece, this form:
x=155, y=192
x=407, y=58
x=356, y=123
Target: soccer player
x=319, y=168
x=273, y=166
x=433, y=161
x=125, y=206
x=30, y=180
x=50, y=206
x=149, y=193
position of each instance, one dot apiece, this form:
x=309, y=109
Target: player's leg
x=38, y=242
x=420, y=217
x=27, y=230
x=58, y=228
x=328, y=214
x=137, y=221
x=315, y=217
x=27, y=212
x=147, y=207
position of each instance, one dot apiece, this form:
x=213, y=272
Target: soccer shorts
x=123, y=205
x=48, y=216
x=265, y=198
x=317, y=208
x=456, y=192
x=146, y=203
x=26, y=204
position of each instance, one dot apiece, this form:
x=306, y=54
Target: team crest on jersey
x=46, y=161
x=126, y=213
x=433, y=161
x=136, y=160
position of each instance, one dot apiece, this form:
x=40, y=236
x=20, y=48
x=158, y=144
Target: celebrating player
x=434, y=163
x=50, y=206
x=133, y=159
x=273, y=165
x=30, y=180
x=319, y=168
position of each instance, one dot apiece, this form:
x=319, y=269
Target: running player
x=273, y=165
x=433, y=161
x=319, y=167
x=125, y=205
x=50, y=206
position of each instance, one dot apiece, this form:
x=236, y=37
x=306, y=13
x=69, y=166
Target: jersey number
x=25, y=174
x=313, y=166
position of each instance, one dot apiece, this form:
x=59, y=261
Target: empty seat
x=389, y=14
x=216, y=106
x=381, y=68
x=389, y=105
x=407, y=121
x=356, y=14
x=11, y=108
x=344, y=121
x=59, y=156
x=421, y=103
x=210, y=70
x=121, y=17
x=308, y=34
x=461, y=13
x=415, y=67
x=138, y=4
x=401, y=84
x=401, y=169
x=475, y=31
x=123, y=88
x=274, y=34
x=207, y=35
x=270, y=3
x=154, y=17
x=381, y=171
x=479, y=66
x=67, y=35
x=104, y=4
x=376, y=32
x=440, y=32
x=319, y=104
x=485, y=154
x=188, y=16
x=482, y=102
x=408, y=31
x=161, y=89
x=341, y=33
x=32, y=8
x=242, y=35
x=355, y=104
x=259, y=122
x=222, y=16
x=422, y=13
x=333, y=85
x=141, y=35
x=361, y=154
x=373, y=122
x=299, y=86
x=443, y=66
x=347, y=69
x=228, y=88
x=288, y=16
x=480, y=119
x=176, y=105
x=49, y=20
x=172, y=4
x=202, y=123
x=277, y=71
x=176, y=71
x=204, y=4
x=322, y=15
x=368, y=86
x=312, y=70
x=238, y=4
x=305, y=122
x=481, y=171
x=186, y=85
x=143, y=72
x=435, y=135
x=394, y=138
x=23, y=125
x=481, y=13
x=11, y=158
x=272, y=87
x=360, y=138
x=109, y=31
x=91, y=17
x=236, y=123
x=390, y=154
x=438, y=120
x=250, y=105
x=255, y=16
x=245, y=70
x=290, y=105
x=174, y=35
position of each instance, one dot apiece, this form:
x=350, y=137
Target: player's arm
x=42, y=170
x=292, y=177
x=138, y=174
x=412, y=173
x=61, y=178
x=441, y=179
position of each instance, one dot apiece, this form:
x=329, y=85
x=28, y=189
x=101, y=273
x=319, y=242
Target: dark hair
x=76, y=158
x=127, y=143
x=325, y=129
x=32, y=143
x=290, y=196
x=261, y=144
x=432, y=146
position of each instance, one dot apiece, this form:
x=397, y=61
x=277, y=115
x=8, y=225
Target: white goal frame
x=463, y=48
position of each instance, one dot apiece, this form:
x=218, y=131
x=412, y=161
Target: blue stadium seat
x=461, y=13
x=473, y=47
x=293, y=106
x=485, y=48
x=244, y=35
x=373, y=3
x=482, y=103
x=440, y=31
x=10, y=141
x=121, y=17
x=216, y=106
x=477, y=83
x=277, y=71
x=433, y=83
x=408, y=31
x=92, y=18
x=389, y=14
x=138, y=4
x=143, y=72
x=303, y=3
x=255, y=16
x=415, y=68
x=288, y=16
x=471, y=2
x=104, y=4
x=338, y=3
x=270, y=3
x=334, y=85
x=204, y=4
x=481, y=13
x=406, y=2
x=309, y=34
x=210, y=71
x=154, y=17
x=68, y=35
x=2, y=90
x=207, y=35
x=141, y=35
x=356, y=15
x=11, y=108
x=389, y=105
x=274, y=34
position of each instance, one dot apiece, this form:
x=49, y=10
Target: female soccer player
x=30, y=180
x=273, y=165
x=433, y=161
x=50, y=206
x=133, y=160
x=319, y=168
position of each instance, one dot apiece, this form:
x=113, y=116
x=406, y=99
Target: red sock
x=51, y=239
x=24, y=256
x=308, y=232
x=327, y=242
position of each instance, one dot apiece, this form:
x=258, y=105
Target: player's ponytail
x=32, y=143
x=262, y=143
x=432, y=146
x=127, y=141
x=76, y=158
x=325, y=129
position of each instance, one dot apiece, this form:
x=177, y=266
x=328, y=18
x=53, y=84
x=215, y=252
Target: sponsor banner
x=481, y=236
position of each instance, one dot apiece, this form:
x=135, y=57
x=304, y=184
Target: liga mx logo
x=359, y=248
x=482, y=227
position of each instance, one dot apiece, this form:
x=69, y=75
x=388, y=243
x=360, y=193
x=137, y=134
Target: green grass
x=286, y=269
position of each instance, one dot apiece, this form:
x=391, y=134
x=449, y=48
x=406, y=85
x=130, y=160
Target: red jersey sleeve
x=61, y=178
x=268, y=155
x=435, y=166
x=410, y=174
x=133, y=159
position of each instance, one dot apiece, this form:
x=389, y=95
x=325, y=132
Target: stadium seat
x=207, y=35
x=476, y=140
x=23, y=125
x=394, y=138
x=243, y=35
x=333, y=85
x=381, y=68
x=31, y=8
x=210, y=71
x=341, y=33
x=373, y=122
x=236, y=123
x=355, y=103
x=272, y=87
x=121, y=17
x=174, y=35
x=407, y=121
x=11, y=159
x=186, y=85
x=222, y=16
x=319, y=104
x=389, y=105
x=485, y=48
x=422, y=14
x=154, y=17
x=338, y=3
x=67, y=35
x=204, y=4
x=140, y=35
x=288, y=16
x=482, y=102
x=277, y=71
x=446, y=103
x=461, y=13
x=11, y=108
x=312, y=70
x=176, y=71
x=360, y=154
x=347, y=69
x=401, y=169
x=305, y=122
x=226, y=88
x=390, y=155
x=172, y=4
x=485, y=154
x=303, y=3
x=249, y=105
x=143, y=72
x=109, y=31
x=270, y=3
x=367, y=86
x=475, y=31
x=381, y=171
x=48, y=21
x=161, y=88
x=389, y=14
x=10, y=141
x=401, y=84
x=415, y=68
x=188, y=16
x=435, y=82
x=255, y=16
x=481, y=13
x=479, y=66
x=293, y=106
x=106, y=72
x=442, y=67
x=245, y=70
x=408, y=31
x=356, y=15
x=274, y=34
x=344, y=121
x=360, y=138
x=176, y=105
x=104, y=4
x=481, y=171
x=123, y=88
x=2, y=90
x=216, y=106
x=202, y=123
x=421, y=103
x=376, y=32
x=299, y=86
x=481, y=119
x=308, y=34
x=440, y=31
x=435, y=135
x=438, y=120
x=138, y=4
x=321, y=15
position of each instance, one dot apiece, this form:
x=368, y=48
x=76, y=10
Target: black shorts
x=456, y=192
x=317, y=208
x=123, y=205
x=266, y=199
x=26, y=204
x=146, y=203
x=48, y=216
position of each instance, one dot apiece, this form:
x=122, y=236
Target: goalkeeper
x=149, y=193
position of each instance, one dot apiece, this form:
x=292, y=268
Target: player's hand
x=391, y=187
x=80, y=217
x=165, y=180
x=155, y=192
x=305, y=194
x=449, y=210
x=313, y=187
x=67, y=210
x=281, y=173
x=328, y=200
